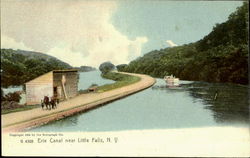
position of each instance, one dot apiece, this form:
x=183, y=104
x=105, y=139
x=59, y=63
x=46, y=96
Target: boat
x=171, y=80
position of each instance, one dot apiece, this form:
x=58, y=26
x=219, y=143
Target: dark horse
x=45, y=102
x=49, y=103
x=53, y=102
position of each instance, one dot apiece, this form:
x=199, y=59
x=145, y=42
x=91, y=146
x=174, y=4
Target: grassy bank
x=21, y=108
x=121, y=80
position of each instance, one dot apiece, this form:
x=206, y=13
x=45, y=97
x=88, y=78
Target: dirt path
x=25, y=119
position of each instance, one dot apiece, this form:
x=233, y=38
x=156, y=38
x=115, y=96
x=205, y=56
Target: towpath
x=22, y=120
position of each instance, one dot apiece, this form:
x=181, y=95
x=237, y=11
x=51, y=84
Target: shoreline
x=94, y=100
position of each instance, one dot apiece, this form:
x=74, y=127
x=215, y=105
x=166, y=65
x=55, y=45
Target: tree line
x=17, y=68
x=221, y=56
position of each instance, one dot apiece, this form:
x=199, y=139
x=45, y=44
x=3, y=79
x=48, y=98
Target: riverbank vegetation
x=10, y=103
x=85, y=68
x=106, y=67
x=121, y=80
x=221, y=56
x=10, y=107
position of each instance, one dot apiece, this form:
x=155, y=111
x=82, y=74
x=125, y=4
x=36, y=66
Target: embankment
x=23, y=120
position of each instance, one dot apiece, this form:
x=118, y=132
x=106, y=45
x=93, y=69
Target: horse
x=53, y=102
x=46, y=102
x=50, y=103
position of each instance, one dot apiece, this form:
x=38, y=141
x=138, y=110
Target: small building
x=62, y=84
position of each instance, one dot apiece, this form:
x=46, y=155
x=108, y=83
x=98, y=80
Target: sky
x=90, y=32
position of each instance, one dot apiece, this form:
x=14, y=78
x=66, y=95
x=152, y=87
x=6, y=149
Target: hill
x=19, y=66
x=85, y=68
x=31, y=54
x=221, y=56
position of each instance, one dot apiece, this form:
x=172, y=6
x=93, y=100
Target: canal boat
x=171, y=80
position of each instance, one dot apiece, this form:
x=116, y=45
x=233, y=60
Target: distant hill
x=19, y=66
x=36, y=55
x=85, y=68
x=221, y=56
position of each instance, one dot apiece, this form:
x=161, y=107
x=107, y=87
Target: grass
x=26, y=107
x=121, y=80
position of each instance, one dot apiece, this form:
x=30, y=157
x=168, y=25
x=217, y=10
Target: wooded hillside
x=221, y=56
x=18, y=66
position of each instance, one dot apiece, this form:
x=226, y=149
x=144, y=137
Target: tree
x=18, y=67
x=2, y=94
x=12, y=97
x=106, y=67
x=121, y=67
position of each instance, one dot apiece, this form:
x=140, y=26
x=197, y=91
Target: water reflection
x=229, y=102
x=168, y=88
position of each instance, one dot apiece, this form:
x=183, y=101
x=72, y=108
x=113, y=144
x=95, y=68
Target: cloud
x=7, y=42
x=171, y=43
x=77, y=32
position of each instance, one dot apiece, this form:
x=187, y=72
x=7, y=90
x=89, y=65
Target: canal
x=191, y=105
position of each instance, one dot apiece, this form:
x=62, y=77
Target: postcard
x=127, y=78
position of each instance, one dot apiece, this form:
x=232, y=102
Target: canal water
x=191, y=105
x=86, y=79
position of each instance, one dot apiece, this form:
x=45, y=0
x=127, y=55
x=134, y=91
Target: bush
x=106, y=67
x=10, y=105
x=12, y=97
x=2, y=95
x=121, y=67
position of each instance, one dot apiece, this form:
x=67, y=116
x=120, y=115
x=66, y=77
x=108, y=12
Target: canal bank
x=20, y=121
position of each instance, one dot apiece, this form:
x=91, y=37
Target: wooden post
x=63, y=82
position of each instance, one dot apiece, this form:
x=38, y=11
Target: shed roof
x=69, y=70
x=48, y=77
